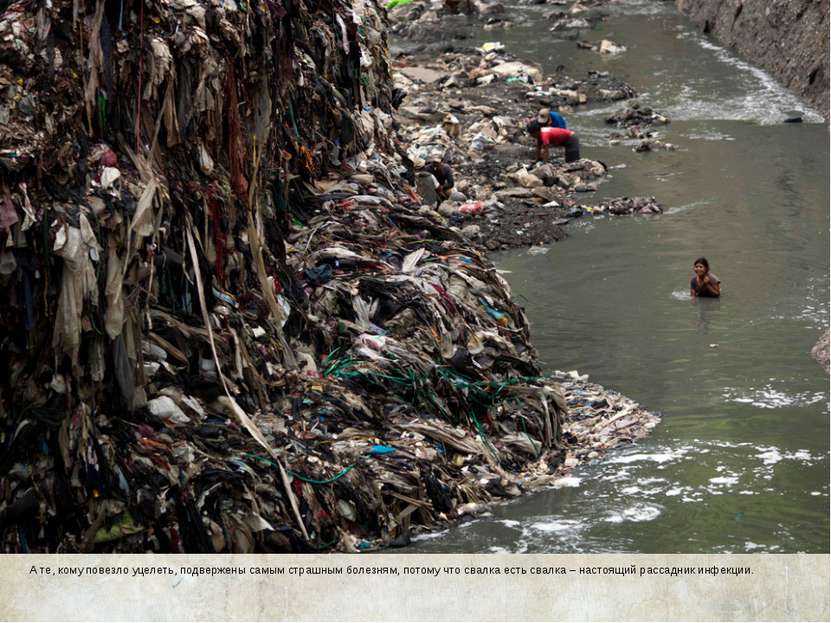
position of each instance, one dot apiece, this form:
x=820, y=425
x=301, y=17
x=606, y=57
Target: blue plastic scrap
x=380, y=450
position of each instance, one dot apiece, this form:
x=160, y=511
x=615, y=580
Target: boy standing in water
x=703, y=282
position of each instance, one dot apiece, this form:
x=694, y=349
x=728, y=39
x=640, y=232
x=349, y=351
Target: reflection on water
x=740, y=462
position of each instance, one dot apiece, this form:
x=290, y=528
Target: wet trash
x=423, y=74
x=793, y=116
x=627, y=205
x=820, y=350
x=611, y=48
x=237, y=321
x=563, y=22
x=651, y=144
x=473, y=208
x=605, y=47
x=516, y=69
x=636, y=115
x=491, y=46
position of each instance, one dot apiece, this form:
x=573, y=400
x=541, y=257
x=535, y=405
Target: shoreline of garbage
x=455, y=104
x=230, y=324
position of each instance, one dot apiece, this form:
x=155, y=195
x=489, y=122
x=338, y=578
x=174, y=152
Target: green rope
x=330, y=357
x=293, y=474
x=102, y=112
x=530, y=440
x=327, y=481
x=293, y=120
x=460, y=380
x=484, y=436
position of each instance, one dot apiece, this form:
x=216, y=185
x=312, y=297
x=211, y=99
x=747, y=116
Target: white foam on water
x=771, y=455
x=655, y=457
x=637, y=513
x=749, y=546
x=638, y=7
x=725, y=444
x=709, y=135
x=557, y=525
x=768, y=397
x=428, y=536
x=511, y=523
x=681, y=295
x=685, y=294
x=650, y=481
x=748, y=492
x=724, y=480
x=567, y=481
x=762, y=100
x=617, y=476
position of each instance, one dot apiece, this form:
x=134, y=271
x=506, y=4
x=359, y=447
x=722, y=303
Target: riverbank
x=789, y=39
x=472, y=106
x=739, y=463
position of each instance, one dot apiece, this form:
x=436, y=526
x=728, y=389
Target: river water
x=740, y=462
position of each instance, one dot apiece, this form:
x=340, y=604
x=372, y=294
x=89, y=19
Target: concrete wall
x=788, y=38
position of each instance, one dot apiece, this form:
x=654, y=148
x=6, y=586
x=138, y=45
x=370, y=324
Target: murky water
x=740, y=462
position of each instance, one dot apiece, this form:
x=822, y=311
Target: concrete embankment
x=787, y=38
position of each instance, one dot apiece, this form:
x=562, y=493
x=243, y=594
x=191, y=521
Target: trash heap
x=821, y=349
x=455, y=105
x=416, y=19
x=606, y=47
x=580, y=15
x=637, y=123
x=229, y=325
x=635, y=114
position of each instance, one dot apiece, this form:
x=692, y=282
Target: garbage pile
x=606, y=417
x=229, y=323
x=455, y=106
x=625, y=205
x=820, y=351
x=606, y=46
x=579, y=16
x=636, y=115
x=417, y=21
x=637, y=123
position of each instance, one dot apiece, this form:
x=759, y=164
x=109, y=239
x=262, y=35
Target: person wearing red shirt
x=558, y=137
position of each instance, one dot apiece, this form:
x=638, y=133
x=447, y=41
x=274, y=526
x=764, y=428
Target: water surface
x=740, y=462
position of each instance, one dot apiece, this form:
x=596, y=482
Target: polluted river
x=740, y=461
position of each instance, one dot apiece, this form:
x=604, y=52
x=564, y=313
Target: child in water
x=703, y=282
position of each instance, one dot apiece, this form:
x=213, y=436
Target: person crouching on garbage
x=703, y=282
x=443, y=174
x=548, y=118
x=558, y=137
